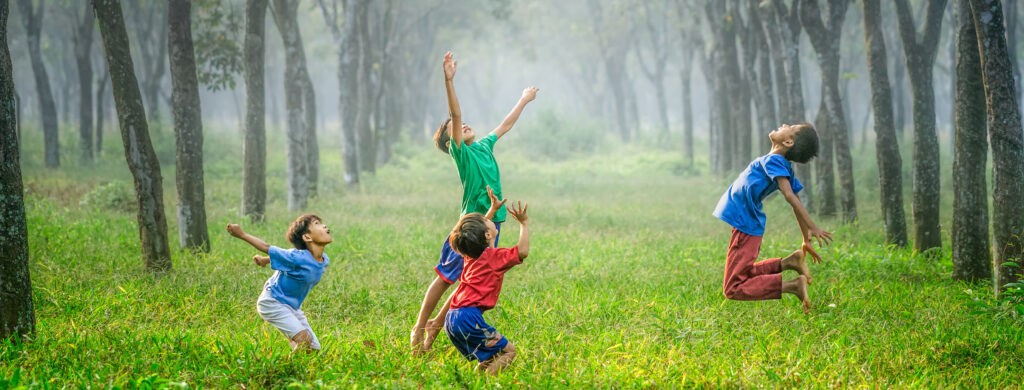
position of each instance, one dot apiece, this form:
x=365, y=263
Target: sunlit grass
x=622, y=287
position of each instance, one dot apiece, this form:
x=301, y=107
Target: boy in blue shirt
x=296, y=272
x=740, y=206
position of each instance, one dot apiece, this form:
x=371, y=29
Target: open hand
x=449, y=66
x=495, y=203
x=529, y=94
x=824, y=238
x=808, y=249
x=261, y=261
x=518, y=211
x=235, y=230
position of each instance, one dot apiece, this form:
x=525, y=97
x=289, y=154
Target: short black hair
x=441, y=137
x=805, y=144
x=299, y=228
x=470, y=235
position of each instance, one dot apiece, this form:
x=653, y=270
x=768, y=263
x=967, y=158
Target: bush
x=113, y=196
x=553, y=136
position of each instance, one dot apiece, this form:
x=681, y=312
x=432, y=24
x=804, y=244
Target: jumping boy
x=740, y=207
x=296, y=271
x=478, y=170
x=481, y=283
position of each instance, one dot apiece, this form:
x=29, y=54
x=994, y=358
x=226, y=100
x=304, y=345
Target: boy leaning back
x=480, y=285
x=740, y=206
x=296, y=272
x=478, y=171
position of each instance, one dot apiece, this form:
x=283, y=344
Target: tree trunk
x=364, y=127
x=17, y=316
x=970, y=236
x=724, y=141
x=138, y=150
x=1005, y=138
x=348, y=81
x=1010, y=7
x=83, y=48
x=890, y=180
x=298, y=171
x=687, y=114
x=254, y=148
x=789, y=27
x=188, y=129
x=33, y=20
x=101, y=108
x=920, y=59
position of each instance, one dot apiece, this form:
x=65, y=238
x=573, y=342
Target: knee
x=303, y=338
x=509, y=351
x=730, y=292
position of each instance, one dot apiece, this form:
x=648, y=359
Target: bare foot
x=433, y=329
x=416, y=341
x=795, y=261
x=484, y=366
x=801, y=292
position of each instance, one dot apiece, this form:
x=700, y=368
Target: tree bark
x=138, y=150
x=1006, y=139
x=101, y=108
x=764, y=95
x=724, y=58
x=788, y=23
x=920, y=54
x=83, y=57
x=349, y=82
x=254, y=148
x=687, y=110
x=295, y=63
x=890, y=180
x=364, y=126
x=33, y=20
x=970, y=236
x=188, y=128
x=17, y=316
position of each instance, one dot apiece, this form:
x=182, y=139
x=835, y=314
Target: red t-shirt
x=481, y=278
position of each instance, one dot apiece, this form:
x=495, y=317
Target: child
x=478, y=170
x=740, y=207
x=296, y=271
x=481, y=283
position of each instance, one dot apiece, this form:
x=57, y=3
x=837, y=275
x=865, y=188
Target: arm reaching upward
x=495, y=203
x=528, y=95
x=257, y=243
x=453, y=102
x=518, y=211
x=807, y=227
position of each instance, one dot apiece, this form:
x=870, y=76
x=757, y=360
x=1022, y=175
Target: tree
x=33, y=20
x=138, y=149
x=970, y=236
x=655, y=30
x=297, y=103
x=151, y=42
x=890, y=180
x=101, y=108
x=254, y=148
x=920, y=51
x=188, y=128
x=348, y=80
x=1005, y=138
x=833, y=133
x=724, y=58
x=761, y=82
x=83, y=57
x=17, y=317
x=788, y=27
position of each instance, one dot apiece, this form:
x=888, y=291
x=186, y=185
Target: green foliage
x=217, y=38
x=552, y=135
x=1010, y=303
x=116, y=196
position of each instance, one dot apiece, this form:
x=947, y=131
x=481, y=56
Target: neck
x=778, y=149
x=317, y=251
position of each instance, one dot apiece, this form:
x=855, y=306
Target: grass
x=622, y=287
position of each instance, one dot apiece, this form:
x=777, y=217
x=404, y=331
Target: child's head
x=443, y=135
x=308, y=229
x=800, y=141
x=472, y=235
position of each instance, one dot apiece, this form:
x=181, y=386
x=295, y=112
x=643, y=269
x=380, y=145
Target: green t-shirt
x=477, y=170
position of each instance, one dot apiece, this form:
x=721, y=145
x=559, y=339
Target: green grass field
x=623, y=286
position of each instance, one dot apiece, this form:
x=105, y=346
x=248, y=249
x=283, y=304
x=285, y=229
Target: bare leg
x=301, y=341
x=502, y=359
x=798, y=287
x=795, y=261
x=430, y=299
x=434, y=326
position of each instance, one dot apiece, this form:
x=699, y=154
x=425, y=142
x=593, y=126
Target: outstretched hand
x=235, y=230
x=824, y=238
x=518, y=211
x=261, y=261
x=529, y=94
x=449, y=66
x=808, y=249
x=495, y=203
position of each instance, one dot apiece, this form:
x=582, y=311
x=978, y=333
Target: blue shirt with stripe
x=741, y=205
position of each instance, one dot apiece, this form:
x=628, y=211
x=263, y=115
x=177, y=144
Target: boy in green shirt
x=479, y=174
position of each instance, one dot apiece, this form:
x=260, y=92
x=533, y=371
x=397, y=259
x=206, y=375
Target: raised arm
x=257, y=243
x=518, y=211
x=453, y=102
x=807, y=227
x=495, y=204
x=510, y=120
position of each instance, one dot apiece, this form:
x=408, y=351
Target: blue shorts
x=472, y=336
x=449, y=265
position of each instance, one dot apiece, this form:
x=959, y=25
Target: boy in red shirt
x=480, y=285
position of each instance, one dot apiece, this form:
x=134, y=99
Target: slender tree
x=101, y=108
x=365, y=135
x=920, y=50
x=762, y=84
x=138, y=149
x=970, y=237
x=33, y=20
x=83, y=57
x=151, y=43
x=348, y=82
x=254, y=148
x=787, y=22
x=724, y=59
x=17, y=317
x=655, y=30
x=188, y=128
x=1005, y=138
x=284, y=12
x=890, y=180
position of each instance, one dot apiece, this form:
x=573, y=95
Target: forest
x=324, y=135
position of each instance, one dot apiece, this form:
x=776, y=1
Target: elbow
x=523, y=253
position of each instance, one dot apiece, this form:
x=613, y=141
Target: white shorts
x=283, y=317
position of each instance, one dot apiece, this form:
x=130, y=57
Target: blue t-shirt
x=740, y=206
x=296, y=274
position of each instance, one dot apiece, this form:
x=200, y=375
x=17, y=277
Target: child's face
x=467, y=133
x=784, y=135
x=492, y=231
x=319, y=233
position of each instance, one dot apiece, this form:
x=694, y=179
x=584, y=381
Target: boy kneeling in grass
x=480, y=285
x=740, y=207
x=296, y=271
